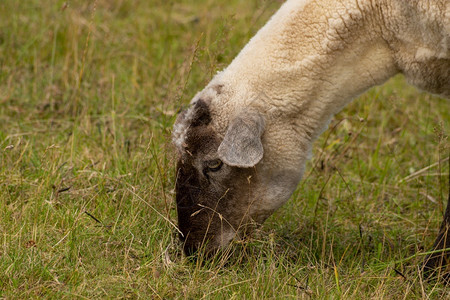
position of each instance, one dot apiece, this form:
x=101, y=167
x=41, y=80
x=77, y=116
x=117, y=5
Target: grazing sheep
x=244, y=141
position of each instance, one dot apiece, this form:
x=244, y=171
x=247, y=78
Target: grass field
x=88, y=94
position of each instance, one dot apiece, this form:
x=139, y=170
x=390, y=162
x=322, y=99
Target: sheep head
x=221, y=188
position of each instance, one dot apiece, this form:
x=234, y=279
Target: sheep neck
x=313, y=57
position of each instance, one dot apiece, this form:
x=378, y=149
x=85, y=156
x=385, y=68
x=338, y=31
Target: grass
x=88, y=94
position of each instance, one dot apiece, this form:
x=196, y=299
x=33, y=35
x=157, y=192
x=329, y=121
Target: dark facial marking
x=209, y=194
x=202, y=114
x=201, y=139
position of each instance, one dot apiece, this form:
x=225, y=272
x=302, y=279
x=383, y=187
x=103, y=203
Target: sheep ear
x=242, y=145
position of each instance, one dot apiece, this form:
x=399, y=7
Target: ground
x=89, y=91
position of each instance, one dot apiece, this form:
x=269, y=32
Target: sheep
x=243, y=142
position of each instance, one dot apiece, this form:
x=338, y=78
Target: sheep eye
x=214, y=165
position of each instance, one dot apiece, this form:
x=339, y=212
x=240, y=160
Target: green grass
x=88, y=95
